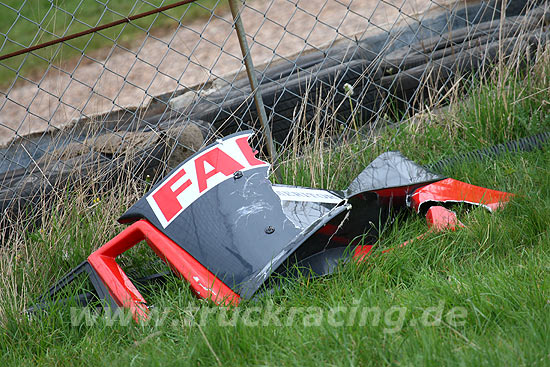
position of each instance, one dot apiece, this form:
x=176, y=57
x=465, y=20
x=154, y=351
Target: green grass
x=495, y=271
x=19, y=28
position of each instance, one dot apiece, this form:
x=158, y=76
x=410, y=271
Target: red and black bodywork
x=221, y=225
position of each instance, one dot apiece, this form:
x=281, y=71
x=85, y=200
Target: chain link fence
x=89, y=86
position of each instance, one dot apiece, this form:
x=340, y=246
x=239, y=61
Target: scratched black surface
x=388, y=170
x=225, y=228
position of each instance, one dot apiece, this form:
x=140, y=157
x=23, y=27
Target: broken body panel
x=221, y=225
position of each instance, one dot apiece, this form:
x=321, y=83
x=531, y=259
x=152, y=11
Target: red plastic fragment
x=361, y=252
x=440, y=218
x=202, y=281
x=454, y=191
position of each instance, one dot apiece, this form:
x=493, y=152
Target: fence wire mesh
x=151, y=91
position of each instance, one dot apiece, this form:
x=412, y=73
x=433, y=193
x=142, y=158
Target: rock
x=181, y=143
x=179, y=103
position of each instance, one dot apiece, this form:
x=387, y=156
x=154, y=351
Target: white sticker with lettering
x=201, y=173
x=291, y=193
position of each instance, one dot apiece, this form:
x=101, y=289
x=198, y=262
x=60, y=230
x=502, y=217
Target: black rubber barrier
x=371, y=64
x=231, y=108
x=527, y=144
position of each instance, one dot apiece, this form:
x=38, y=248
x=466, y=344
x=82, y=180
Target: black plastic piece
x=101, y=292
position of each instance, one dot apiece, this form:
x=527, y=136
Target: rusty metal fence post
x=251, y=72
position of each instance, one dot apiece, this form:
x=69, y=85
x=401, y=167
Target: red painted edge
x=451, y=190
x=203, y=283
